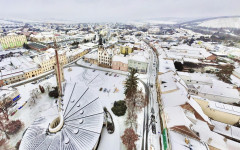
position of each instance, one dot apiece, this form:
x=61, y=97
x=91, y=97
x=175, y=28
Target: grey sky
x=117, y=10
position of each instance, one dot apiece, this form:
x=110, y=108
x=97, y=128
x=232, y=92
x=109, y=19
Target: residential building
x=16, y=69
x=221, y=112
x=183, y=120
x=138, y=60
x=119, y=62
x=105, y=56
x=12, y=41
x=91, y=58
x=126, y=48
x=11, y=53
x=166, y=65
x=47, y=60
x=215, y=93
x=45, y=37
x=195, y=78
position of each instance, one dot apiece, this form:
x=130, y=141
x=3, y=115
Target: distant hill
x=215, y=22
x=222, y=23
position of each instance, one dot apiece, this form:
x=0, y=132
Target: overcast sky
x=117, y=10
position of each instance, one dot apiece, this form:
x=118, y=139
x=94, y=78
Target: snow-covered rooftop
x=175, y=116
x=218, y=90
x=225, y=129
x=196, y=77
x=83, y=121
x=120, y=58
x=166, y=65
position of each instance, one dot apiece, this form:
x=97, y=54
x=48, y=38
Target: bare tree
x=47, y=86
x=134, y=103
x=6, y=103
x=3, y=123
x=131, y=118
x=34, y=94
x=129, y=138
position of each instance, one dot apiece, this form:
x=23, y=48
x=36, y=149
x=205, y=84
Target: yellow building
x=220, y=112
x=126, y=49
x=47, y=62
x=32, y=72
x=80, y=54
x=12, y=41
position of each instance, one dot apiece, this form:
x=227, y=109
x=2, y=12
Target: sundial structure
x=77, y=126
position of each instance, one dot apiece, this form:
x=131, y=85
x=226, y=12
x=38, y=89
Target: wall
x=125, y=49
x=117, y=65
x=218, y=98
x=216, y=114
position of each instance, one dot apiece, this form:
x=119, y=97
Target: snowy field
x=222, y=23
x=45, y=106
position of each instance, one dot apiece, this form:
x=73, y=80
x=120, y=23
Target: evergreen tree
x=131, y=83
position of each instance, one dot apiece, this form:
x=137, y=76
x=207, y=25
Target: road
x=151, y=138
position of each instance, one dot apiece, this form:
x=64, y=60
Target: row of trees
x=135, y=101
x=35, y=93
x=7, y=127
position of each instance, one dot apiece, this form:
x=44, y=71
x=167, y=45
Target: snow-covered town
x=135, y=84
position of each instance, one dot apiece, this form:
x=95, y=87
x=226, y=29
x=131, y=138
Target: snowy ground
x=96, y=80
x=93, y=66
x=235, y=80
x=45, y=105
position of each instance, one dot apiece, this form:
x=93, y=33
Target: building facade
x=33, y=72
x=105, y=56
x=12, y=41
x=140, y=66
x=126, y=49
x=214, y=111
x=13, y=77
x=119, y=62
x=47, y=62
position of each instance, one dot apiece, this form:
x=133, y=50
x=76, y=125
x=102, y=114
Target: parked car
x=115, y=75
x=106, y=73
x=154, y=128
x=100, y=89
x=94, y=70
x=34, y=82
x=14, y=104
x=105, y=90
